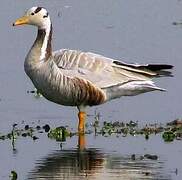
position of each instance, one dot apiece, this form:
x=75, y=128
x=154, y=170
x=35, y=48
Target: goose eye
x=32, y=13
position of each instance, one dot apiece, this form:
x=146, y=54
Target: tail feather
x=131, y=88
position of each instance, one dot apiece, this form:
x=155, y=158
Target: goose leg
x=81, y=124
x=81, y=141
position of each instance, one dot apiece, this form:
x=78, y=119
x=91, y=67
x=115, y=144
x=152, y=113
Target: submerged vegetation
x=169, y=132
x=13, y=175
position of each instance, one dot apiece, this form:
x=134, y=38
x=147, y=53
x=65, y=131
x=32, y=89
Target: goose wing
x=102, y=71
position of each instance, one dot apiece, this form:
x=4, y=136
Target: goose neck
x=44, y=38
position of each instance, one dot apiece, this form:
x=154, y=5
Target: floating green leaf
x=13, y=175
x=59, y=134
x=168, y=136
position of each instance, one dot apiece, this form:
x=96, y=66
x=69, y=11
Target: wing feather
x=103, y=72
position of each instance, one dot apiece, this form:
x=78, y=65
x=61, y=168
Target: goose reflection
x=69, y=164
x=93, y=163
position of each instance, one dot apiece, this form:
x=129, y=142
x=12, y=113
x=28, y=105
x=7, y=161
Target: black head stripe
x=37, y=10
x=45, y=16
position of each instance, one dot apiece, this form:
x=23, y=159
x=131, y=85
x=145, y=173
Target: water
x=93, y=163
x=133, y=31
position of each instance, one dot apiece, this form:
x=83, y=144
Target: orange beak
x=21, y=21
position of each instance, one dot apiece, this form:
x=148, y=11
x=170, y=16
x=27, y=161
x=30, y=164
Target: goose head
x=37, y=16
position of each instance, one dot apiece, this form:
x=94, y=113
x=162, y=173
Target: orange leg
x=81, y=125
x=81, y=141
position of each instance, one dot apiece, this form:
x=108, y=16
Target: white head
x=36, y=16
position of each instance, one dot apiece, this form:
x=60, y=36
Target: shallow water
x=132, y=31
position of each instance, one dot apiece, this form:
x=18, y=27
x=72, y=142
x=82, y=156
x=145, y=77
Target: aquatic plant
x=169, y=132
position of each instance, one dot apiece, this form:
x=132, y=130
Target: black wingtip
x=161, y=69
x=158, y=67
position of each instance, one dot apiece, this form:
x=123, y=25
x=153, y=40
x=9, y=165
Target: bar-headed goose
x=75, y=78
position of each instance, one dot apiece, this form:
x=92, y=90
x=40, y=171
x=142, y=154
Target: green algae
x=169, y=132
x=14, y=175
x=59, y=134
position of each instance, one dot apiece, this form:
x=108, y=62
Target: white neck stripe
x=45, y=42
